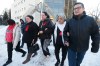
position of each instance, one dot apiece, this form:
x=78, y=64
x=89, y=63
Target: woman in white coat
x=59, y=40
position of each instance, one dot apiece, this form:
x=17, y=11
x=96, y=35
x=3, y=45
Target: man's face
x=28, y=19
x=78, y=9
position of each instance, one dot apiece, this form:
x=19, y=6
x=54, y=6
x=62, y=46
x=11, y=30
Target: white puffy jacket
x=16, y=35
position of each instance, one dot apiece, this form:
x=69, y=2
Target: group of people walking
x=72, y=36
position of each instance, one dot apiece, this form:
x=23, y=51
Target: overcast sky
x=89, y=4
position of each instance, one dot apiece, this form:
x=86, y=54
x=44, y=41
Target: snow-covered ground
x=91, y=59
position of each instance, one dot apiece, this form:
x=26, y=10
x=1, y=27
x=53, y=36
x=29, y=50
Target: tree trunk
x=69, y=8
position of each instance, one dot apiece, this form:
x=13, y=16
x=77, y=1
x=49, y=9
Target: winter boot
x=23, y=54
x=28, y=58
x=7, y=63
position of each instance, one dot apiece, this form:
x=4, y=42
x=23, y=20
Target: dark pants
x=28, y=46
x=44, y=52
x=10, y=49
x=57, y=51
x=75, y=58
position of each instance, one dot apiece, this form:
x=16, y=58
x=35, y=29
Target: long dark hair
x=10, y=22
x=46, y=14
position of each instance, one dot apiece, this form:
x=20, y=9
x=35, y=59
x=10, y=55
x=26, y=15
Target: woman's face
x=28, y=19
x=60, y=20
x=43, y=16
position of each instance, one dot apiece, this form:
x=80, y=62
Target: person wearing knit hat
x=30, y=35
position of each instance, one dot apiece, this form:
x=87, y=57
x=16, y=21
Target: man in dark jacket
x=22, y=30
x=81, y=27
x=30, y=35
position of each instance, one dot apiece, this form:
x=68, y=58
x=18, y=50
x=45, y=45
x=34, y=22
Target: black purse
x=34, y=48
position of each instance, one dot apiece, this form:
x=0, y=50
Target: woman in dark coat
x=45, y=32
x=22, y=30
x=30, y=35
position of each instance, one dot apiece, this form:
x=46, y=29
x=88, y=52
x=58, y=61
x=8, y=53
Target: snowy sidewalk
x=91, y=59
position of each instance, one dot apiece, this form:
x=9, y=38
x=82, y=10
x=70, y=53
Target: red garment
x=60, y=34
x=9, y=33
x=44, y=23
x=27, y=27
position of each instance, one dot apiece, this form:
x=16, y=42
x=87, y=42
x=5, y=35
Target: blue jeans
x=75, y=58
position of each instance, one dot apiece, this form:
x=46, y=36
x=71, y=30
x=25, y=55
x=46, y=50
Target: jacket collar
x=79, y=17
x=45, y=20
x=30, y=22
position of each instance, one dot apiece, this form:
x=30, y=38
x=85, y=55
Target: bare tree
x=96, y=13
x=69, y=7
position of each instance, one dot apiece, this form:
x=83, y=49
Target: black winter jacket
x=23, y=27
x=80, y=31
x=46, y=33
x=31, y=32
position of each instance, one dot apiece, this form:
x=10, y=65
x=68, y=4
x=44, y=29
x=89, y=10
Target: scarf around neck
x=61, y=28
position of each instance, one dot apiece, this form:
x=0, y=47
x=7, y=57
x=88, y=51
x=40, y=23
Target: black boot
x=34, y=54
x=57, y=63
x=28, y=58
x=7, y=63
x=24, y=53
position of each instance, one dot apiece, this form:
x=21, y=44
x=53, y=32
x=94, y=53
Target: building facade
x=21, y=8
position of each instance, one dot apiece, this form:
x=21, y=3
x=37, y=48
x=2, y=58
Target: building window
x=22, y=9
x=57, y=6
x=21, y=2
x=15, y=12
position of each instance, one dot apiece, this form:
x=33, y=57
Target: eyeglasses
x=77, y=8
